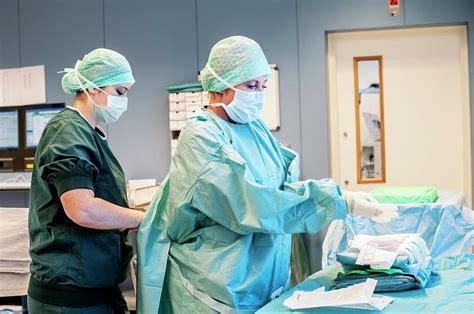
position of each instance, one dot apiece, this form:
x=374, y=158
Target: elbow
x=78, y=205
x=79, y=217
x=78, y=214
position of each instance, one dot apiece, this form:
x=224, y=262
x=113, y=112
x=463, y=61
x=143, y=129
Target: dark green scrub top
x=73, y=265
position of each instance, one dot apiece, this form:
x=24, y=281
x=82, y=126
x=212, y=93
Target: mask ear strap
x=216, y=105
x=80, y=77
x=220, y=79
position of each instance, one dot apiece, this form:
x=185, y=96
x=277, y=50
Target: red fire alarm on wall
x=393, y=7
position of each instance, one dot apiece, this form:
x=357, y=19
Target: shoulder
x=203, y=131
x=68, y=123
x=67, y=133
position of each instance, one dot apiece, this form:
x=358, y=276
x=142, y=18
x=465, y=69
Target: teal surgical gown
x=217, y=236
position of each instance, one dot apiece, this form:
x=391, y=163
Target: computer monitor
x=9, y=129
x=35, y=122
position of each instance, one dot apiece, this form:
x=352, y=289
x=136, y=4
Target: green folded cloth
x=405, y=195
x=387, y=279
x=187, y=87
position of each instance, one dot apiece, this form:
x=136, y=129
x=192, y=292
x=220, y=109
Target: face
x=256, y=85
x=100, y=98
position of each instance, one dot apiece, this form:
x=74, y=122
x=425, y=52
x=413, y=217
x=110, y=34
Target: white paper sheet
x=359, y=296
x=22, y=86
x=376, y=258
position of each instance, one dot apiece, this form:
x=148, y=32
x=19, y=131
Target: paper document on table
x=359, y=296
x=376, y=258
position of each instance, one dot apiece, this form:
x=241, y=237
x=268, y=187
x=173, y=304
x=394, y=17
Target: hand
x=364, y=204
x=352, y=196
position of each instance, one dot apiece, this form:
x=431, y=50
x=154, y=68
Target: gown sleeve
x=224, y=192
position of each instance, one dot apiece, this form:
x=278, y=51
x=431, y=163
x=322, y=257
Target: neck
x=88, y=111
x=218, y=110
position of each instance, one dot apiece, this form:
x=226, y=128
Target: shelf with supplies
x=141, y=192
x=182, y=107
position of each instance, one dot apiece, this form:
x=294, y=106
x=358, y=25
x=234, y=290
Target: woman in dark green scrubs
x=79, y=214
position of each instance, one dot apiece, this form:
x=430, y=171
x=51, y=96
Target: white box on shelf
x=204, y=99
x=141, y=196
x=177, y=97
x=175, y=126
x=193, y=96
x=191, y=114
x=141, y=183
x=174, y=143
x=178, y=116
x=193, y=103
x=193, y=107
x=177, y=106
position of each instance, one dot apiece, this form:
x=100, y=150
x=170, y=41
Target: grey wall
x=159, y=39
x=9, y=34
x=167, y=42
x=55, y=33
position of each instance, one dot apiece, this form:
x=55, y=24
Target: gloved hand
x=364, y=204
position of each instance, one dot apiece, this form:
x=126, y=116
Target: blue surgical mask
x=246, y=106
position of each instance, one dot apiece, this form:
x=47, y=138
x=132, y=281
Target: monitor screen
x=36, y=120
x=8, y=129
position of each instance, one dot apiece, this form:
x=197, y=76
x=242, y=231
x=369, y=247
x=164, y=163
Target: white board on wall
x=271, y=109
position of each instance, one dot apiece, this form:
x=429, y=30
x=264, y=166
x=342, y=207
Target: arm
x=70, y=165
x=86, y=210
x=358, y=203
x=224, y=194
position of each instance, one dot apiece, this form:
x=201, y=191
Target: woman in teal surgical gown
x=218, y=235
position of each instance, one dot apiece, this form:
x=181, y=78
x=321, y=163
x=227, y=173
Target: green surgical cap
x=236, y=60
x=103, y=67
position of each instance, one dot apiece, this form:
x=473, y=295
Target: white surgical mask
x=116, y=105
x=246, y=106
